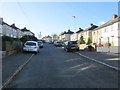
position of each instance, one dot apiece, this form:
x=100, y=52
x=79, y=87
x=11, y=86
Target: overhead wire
x=25, y=15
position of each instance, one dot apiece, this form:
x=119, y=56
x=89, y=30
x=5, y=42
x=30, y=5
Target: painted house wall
x=67, y=37
x=74, y=37
x=1, y=20
x=97, y=37
x=110, y=34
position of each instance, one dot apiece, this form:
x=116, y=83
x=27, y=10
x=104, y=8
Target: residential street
x=55, y=68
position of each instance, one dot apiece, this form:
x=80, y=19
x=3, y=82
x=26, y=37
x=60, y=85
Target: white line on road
x=16, y=72
x=72, y=59
x=99, y=62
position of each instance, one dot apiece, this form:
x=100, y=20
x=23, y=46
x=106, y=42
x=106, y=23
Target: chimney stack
x=1, y=20
x=114, y=16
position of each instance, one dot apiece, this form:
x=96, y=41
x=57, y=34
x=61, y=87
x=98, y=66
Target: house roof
x=91, y=27
x=110, y=22
x=63, y=33
x=5, y=23
x=69, y=32
x=24, y=29
x=13, y=26
x=80, y=30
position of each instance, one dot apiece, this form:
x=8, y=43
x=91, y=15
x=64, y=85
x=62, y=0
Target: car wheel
x=36, y=52
x=23, y=51
x=67, y=50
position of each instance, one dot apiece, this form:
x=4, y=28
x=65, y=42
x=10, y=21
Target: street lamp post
x=74, y=21
x=75, y=26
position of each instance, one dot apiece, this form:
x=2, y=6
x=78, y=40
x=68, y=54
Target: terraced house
x=87, y=32
x=27, y=32
x=108, y=34
x=1, y=20
x=12, y=30
x=66, y=36
x=74, y=36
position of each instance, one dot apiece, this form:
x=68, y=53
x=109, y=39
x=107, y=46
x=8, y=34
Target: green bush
x=107, y=44
x=81, y=40
x=7, y=38
x=28, y=38
x=89, y=41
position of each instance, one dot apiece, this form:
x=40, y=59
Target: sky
x=55, y=17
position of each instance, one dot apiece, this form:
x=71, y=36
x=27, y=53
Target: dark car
x=50, y=42
x=58, y=43
x=70, y=46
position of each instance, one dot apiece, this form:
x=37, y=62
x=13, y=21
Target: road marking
x=16, y=72
x=115, y=68
x=72, y=59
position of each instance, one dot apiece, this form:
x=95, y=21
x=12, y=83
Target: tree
x=89, y=41
x=55, y=36
x=81, y=40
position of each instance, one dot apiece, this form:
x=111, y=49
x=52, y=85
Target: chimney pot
x=91, y=24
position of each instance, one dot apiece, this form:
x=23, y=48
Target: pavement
x=109, y=58
x=10, y=64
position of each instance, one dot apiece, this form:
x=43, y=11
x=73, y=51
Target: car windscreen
x=31, y=44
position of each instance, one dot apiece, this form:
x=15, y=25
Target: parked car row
x=68, y=45
x=58, y=43
x=32, y=46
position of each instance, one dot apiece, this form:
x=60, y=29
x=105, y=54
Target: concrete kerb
x=105, y=64
x=15, y=73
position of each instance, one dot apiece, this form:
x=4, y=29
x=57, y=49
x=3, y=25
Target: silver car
x=40, y=44
x=31, y=46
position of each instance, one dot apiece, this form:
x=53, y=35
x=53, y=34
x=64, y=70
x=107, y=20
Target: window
x=97, y=32
x=111, y=28
x=118, y=26
x=105, y=30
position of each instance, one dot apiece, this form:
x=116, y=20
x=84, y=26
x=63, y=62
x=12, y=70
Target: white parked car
x=31, y=46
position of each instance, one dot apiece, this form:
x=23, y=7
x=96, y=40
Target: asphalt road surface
x=55, y=68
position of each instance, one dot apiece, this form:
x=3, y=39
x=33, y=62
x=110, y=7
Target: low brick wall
x=115, y=49
x=82, y=46
x=85, y=47
x=9, y=48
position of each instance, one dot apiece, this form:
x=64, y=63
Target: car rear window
x=39, y=42
x=58, y=42
x=73, y=42
x=31, y=44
